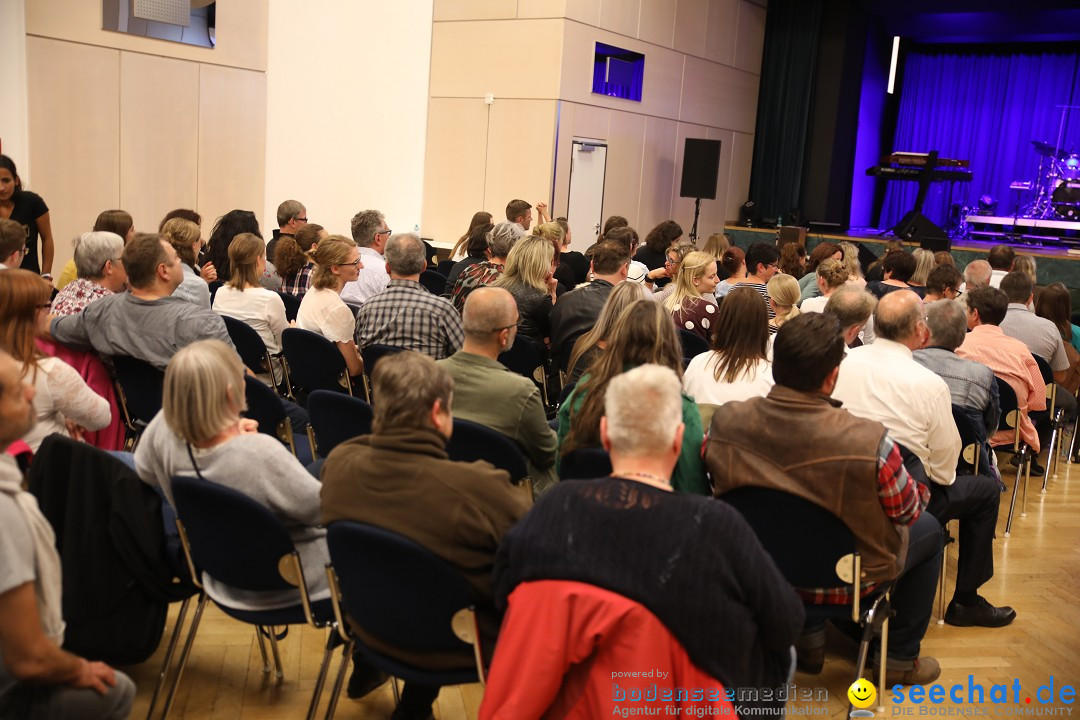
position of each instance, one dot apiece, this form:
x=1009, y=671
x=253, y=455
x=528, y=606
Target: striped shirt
x=406, y=315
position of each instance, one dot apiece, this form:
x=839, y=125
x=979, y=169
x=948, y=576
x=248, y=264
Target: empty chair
x=471, y=441
x=252, y=350
x=139, y=388
x=435, y=282
x=336, y=418
x=585, y=464
x=314, y=363
x=393, y=588
x=527, y=360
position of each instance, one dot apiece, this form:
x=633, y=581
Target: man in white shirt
x=370, y=232
x=883, y=382
x=1001, y=258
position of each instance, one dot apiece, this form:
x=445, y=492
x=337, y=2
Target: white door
x=584, y=213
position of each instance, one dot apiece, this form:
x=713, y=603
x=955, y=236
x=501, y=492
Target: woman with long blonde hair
x=592, y=344
x=850, y=259
x=688, y=308
x=924, y=263
x=784, y=298
x=529, y=276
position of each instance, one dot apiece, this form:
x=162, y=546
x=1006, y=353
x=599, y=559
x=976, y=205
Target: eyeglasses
x=354, y=263
x=300, y=219
x=387, y=231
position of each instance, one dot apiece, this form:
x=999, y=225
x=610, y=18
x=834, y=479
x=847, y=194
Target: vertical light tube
x=892, y=64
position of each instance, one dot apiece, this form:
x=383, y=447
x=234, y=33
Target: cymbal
x=1049, y=150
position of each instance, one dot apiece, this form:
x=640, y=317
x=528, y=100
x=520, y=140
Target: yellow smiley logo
x=862, y=693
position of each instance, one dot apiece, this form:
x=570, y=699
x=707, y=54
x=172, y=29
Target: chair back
x=314, y=362
x=780, y=519
x=1044, y=368
x=1010, y=410
x=396, y=589
x=141, y=387
x=471, y=441
x=265, y=407
x=249, y=345
x=291, y=303
x=371, y=354
x=562, y=358
x=692, y=344
x=232, y=538
x=434, y=282
x=444, y=266
x=972, y=437
x=213, y=287
x=336, y=418
x=527, y=360
x=585, y=464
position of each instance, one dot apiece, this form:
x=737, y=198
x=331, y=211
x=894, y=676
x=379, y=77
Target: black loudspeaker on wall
x=701, y=165
x=916, y=227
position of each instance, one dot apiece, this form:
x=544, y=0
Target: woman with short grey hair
x=100, y=272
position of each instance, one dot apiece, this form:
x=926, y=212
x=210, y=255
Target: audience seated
x=733, y=262
x=554, y=233
x=876, y=272
x=808, y=286
x=117, y=222
x=405, y=314
x=627, y=236
x=642, y=334
x=855, y=310
x=847, y=465
x=519, y=212
x=370, y=233
x=293, y=256
x=477, y=242
x=653, y=252
x=675, y=255
x=460, y=249
x=793, y=260
x=686, y=305
x=502, y=239
x=737, y=366
x=291, y=216
x=572, y=259
x=199, y=432
x=37, y=678
x=831, y=275
x=100, y=273
x=577, y=311
x=898, y=267
x=924, y=263
x=592, y=344
x=716, y=245
x=486, y=392
x=1055, y=304
x=64, y=402
x=12, y=244
x=1001, y=259
x=186, y=239
x=883, y=382
x=528, y=276
x=851, y=262
x=227, y=227
x=629, y=533
x=147, y=322
x=337, y=262
x=761, y=259
x=399, y=478
x=943, y=283
x=783, y=299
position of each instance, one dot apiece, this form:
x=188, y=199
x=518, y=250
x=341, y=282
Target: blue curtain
x=986, y=108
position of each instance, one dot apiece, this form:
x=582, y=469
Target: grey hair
x=289, y=210
x=947, y=322
x=364, y=225
x=503, y=238
x=977, y=274
x=633, y=431
x=94, y=249
x=405, y=254
x=851, y=305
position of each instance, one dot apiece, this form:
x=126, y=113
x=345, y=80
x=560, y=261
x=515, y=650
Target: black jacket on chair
x=117, y=577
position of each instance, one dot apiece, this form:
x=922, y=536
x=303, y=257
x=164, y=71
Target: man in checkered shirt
x=405, y=314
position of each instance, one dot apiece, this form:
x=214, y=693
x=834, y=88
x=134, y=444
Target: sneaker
x=980, y=613
x=923, y=671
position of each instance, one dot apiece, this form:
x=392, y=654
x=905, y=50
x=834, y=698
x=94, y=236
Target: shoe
x=403, y=713
x=1036, y=468
x=363, y=680
x=810, y=660
x=925, y=671
x=980, y=613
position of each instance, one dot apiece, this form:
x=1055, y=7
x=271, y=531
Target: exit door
x=585, y=208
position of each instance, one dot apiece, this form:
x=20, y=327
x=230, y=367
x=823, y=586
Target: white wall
x=347, y=96
x=13, y=111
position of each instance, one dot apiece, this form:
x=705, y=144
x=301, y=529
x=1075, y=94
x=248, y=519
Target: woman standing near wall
x=30, y=211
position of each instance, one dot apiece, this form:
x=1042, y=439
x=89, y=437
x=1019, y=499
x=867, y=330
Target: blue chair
x=585, y=464
x=238, y=542
x=214, y=285
x=265, y=407
x=471, y=441
x=252, y=350
x=435, y=282
x=139, y=387
x=444, y=266
x=1057, y=422
x=336, y=418
x=1010, y=420
x=371, y=354
x=292, y=305
x=526, y=359
x=402, y=593
x=824, y=558
x=313, y=362
x=692, y=344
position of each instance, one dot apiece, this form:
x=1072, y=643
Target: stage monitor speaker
x=916, y=227
x=700, y=167
x=790, y=234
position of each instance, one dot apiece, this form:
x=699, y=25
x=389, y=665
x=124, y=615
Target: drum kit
x=1057, y=186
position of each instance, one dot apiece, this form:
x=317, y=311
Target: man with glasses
x=943, y=283
x=371, y=233
x=485, y=392
x=291, y=216
x=12, y=244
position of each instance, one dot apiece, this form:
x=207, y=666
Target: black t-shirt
x=653, y=260
x=28, y=208
x=578, y=264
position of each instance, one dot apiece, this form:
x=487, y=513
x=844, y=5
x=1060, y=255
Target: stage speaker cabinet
x=790, y=234
x=916, y=227
x=700, y=168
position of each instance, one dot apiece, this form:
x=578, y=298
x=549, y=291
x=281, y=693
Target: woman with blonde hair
x=337, y=261
x=593, y=343
x=716, y=245
x=292, y=260
x=186, y=238
x=831, y=274
x=1026, y=264
x=675, y=256
x=200, y=432
x=850, y=258
x=924, y=263
x=688, y=307
x=63, y=402
x=643, y=333
x=784, y=298
x=529, y=276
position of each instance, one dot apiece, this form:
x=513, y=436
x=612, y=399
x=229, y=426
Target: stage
x=1054, y=263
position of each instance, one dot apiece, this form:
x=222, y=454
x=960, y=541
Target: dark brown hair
x=114, y=221
x=660, y=237
x=407, y=388
x=740, y=338
x=479, y=218
x=290, y=255
x=806, y=349
x=1055, y=304
x=820, y=252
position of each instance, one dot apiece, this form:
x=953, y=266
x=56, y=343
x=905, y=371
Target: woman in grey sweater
x=200, y=431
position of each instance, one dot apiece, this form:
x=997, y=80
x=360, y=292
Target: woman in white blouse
x=737, y=366
x=243, y=298
x=337, y=261
x=63, y=402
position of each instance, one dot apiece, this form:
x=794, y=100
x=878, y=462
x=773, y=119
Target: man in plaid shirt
x=847, y=465
x=405, y=314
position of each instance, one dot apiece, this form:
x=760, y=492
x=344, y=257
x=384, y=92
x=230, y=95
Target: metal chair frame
x=1010, y=420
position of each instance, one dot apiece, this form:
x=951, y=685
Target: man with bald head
x=884, y=382
x=486, y=392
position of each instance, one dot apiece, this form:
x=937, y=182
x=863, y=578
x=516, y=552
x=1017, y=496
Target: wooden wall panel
x=159, y=136
x=691, y=26
x=621, y=16
x=722, y=26
x=719, y=96
x=454, y=167
x=232, y=143
x=583, y=11
x=626, y=151
x=475, y=9
x=541, y=8
x=657, y=22
x=591, y=122
x=510, y=58
x=74, y=120
x=657, y=173
x=520, y=154
x=750, y=39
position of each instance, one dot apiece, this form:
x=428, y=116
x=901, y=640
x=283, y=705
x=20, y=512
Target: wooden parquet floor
x=1037, y=571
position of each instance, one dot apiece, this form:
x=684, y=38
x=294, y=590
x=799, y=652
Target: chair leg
x=262, y=650
x=882, y=664
x=168, y=656
x=1027, y=477
x=184, y=655
x=320, y=681
x=346, y=656
x=279, y=673
x=1049, y=464
x=941, y=586
x=1072, y=441
x=397, y=695
x=1020, y=463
